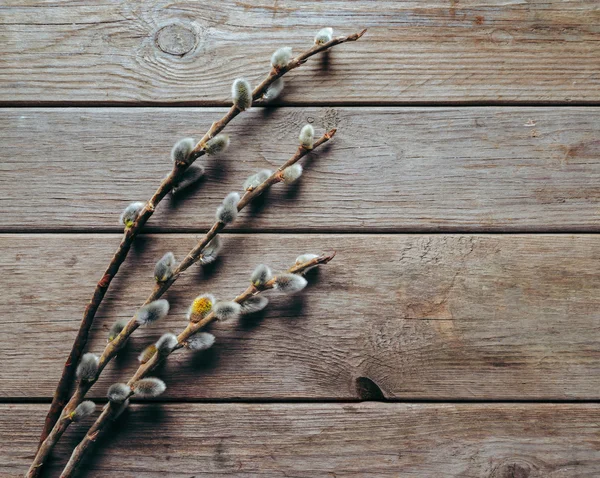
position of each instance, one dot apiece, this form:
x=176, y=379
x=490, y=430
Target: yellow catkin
x=200, y=307
x=147, y=353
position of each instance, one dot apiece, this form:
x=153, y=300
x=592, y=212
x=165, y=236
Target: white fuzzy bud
x=323, y=36
x=281, y=57
x=149, y=387
x=257, y=179
x=241, y=92
x=152, y=312
x=190, y=177
x=116, y=329
x=261, y=275
x=88, y=367
x=227, y=212
x=201, y=307
x=182, y=150
x=227, y=310
x=254, y=304
x=166, y=343
x=84, y=409
x=118, y=392
x=131, y=213
x=274, y=90
x=291, y=173
x=217, y=145
x=211, y=251
x=305, y=258
x=290, y=283
x=307, y=137
x=163, y=270
x=200, y=341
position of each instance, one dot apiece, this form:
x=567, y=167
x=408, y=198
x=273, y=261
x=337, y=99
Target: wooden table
x=456, y=333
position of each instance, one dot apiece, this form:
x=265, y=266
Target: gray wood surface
x=414, y=51
x=387, y=169
x=328, y=440
x=485, y=317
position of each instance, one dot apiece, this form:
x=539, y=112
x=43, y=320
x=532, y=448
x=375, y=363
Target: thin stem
x=143, y=370
x=113, y=347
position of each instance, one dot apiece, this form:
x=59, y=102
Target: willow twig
x=112, y=410
x=113, y=347
x=68, y=374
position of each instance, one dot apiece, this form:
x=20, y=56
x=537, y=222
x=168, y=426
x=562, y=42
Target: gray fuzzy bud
x=149, y=387
x=227, y=310
x=254, y=304
x=227, y=212
x=116, y=329
x=305, y=258
x=182, y=150
x=131, y=213
x=261, y=275
x=324, y=35
x=217, y=145
x=307, y=137
x=291, y=173
x=84, y=409
x=152, y=312
x=118, y=392
x=211, y=251
x=274, y=90
x=290, y=283
x=241, y=92
x=200, y=341
x=166, y=343
x=164, y=267
x=257, y=179
x=191, y=176
x=281, y=57
x=88, y=367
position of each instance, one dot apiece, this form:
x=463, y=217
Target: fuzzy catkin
x=200, y=341
x=131, y=213
x=149, y=387
x=305, y=258
x=163, y=270
x=88, y=367
x=274, y=90
x=257, y=179
x=217, y=145
x=83, y=410
x=146, y=354
x=152, y=312
x=291, y=173
x=261, y=275
x=281, y=57
x=227, y=310
x=166, y=343
x=241, y=93
x=118, y=392
x=190, y=177
x=182, y=149
x=116, y=329
x=227, y=212
x=323, y=36
x=201, y=307
x=211, y=251
x=307, y=137
x=254, y=304
x=290, y=283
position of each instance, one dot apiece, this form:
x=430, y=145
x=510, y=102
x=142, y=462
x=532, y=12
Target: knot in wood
x=176, y=39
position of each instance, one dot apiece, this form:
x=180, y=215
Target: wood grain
x=327, y=440
x=387, y=169
x=436, y=51
x=483, y=317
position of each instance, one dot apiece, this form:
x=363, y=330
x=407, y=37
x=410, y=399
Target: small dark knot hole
x=366, y=389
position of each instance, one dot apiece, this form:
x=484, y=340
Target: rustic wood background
x=456, y=333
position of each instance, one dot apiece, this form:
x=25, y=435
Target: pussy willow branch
x=143, y=370
x=113, y=347
x=68, y=374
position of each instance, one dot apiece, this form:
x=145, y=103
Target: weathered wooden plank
x=325, y=440
x=190, y=51
x=420, y=316
x=388, y=169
